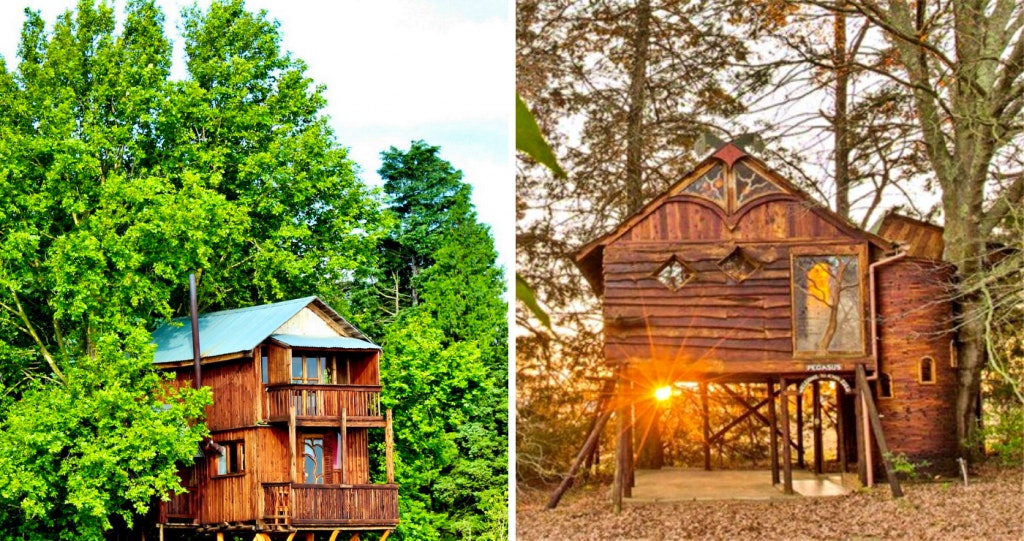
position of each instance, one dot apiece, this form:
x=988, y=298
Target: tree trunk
x=637, y=102
x=839, y=122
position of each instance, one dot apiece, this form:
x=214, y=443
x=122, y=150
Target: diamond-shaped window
x=738, y=266
x=674, y=274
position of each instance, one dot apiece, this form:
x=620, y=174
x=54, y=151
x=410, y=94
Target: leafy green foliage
x=117, y=182
x=445, y=354
x=106, y=443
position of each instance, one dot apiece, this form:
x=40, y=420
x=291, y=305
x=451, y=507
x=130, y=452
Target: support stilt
x=620, y=451
x=773, y=437
x=787, y=465
x=819, y=462
x=800, y=448
x=876, y=425
x=707, y=425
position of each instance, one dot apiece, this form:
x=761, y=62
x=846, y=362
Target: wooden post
x=819, y=462
x=220, y=536
x=787, y=466
x=310, y=535
x=620, y=427
x=344, y=445
x=627, y=487
x=862, y=465
x=586, y=451
x=389, y=449
x=292, y=441
x=161, y=535
x=800, y=429
x=773, y=436
x=334, y=535
x=876, y=425
x=707, y=425
x=844, y=461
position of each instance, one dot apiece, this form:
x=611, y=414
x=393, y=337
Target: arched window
x=926, y=370
x=884, y=385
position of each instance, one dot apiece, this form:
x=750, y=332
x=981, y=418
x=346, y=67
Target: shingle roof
x=239, y=330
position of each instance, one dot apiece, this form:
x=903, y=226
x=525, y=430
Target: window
x=827, y=305
x=265, y=368
x=313, y=460
x=308, y=369
x=927, y=370
x=738, y=266
x=231, y=460
x=674, y=274
x=884, y=385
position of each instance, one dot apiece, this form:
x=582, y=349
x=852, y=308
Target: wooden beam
x=876, y=425
x=620, y=451
x=291, y=536
x=292, y=442
x=751, y=410
x=389, y=449
x=588, y=446
x=705, y=417
x=800, y=429
x=787, y=466
x=773, y=436
x=385, y=536
x=819, y=462
x=759, y=415
x=344, y=444
x=630, y=479
x=334, y=535
x=841, y=435
x=862, y=436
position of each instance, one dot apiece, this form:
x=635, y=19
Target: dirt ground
x=990, y=507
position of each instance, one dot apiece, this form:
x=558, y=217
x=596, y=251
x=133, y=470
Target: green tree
x=117, y=182
x=445, y=353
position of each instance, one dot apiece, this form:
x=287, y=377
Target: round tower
x=916, y=379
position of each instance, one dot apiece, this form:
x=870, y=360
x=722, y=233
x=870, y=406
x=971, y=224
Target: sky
x=395, y=71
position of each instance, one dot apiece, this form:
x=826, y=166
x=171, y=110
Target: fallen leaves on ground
x=990, y=507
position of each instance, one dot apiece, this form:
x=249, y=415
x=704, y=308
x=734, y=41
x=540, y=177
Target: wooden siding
x=916, y=321
x=366, y=369
x=712, y=324
x=357, y=457
x=235, y=387
x=280, y=361
x=232, y=498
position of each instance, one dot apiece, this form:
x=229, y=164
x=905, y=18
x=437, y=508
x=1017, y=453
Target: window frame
x=920, y=370
x=826, y=250
x=323, y=459
x=881, y=386
x=230, y=456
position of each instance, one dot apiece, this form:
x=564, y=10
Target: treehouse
x=296, y=390
x=735, y=276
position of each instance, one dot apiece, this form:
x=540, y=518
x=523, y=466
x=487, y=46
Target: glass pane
x=296, y=369
x=310, y=468
x=222, y=463
x=312, y=375
x=265, y=369
x=827, y=304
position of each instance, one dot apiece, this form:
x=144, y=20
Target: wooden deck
x=330, y=505
x=321, y=405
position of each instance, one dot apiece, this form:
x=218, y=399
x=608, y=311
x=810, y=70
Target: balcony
x=321, y=405
x=372, y=506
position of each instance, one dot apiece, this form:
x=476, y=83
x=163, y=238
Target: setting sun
x=663, y=393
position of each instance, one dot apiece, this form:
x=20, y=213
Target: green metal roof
x=240, y=330
x=339, y=342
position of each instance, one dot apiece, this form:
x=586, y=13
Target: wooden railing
x=363, y=505
x=323, y=400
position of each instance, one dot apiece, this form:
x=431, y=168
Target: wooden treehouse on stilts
x=735, y=276
x=296, y=391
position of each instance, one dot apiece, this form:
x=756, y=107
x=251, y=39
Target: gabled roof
x=589, y=258
x=235, y=331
